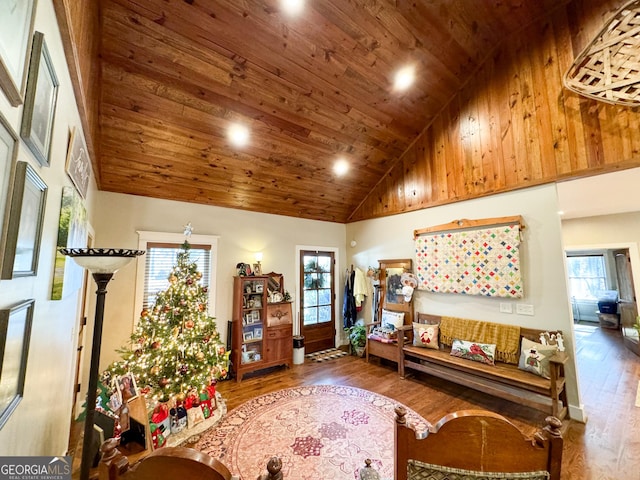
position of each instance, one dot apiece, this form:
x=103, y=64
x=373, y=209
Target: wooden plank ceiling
x=312, y=88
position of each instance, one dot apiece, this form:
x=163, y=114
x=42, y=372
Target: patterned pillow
x=392, y=320
x=478, y=352
x=425, y=335
x=534, y=357
x=417, y=470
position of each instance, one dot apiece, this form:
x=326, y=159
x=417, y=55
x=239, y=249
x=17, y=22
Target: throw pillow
x=392, y=320
x=425, y=335
x=478, y=352
x=534, y=357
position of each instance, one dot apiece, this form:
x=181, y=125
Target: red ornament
x=206, y=339
x=163, y=382
x=183, y=369
x=155, y=345
x=205, y=289
x=221, y=350
x=189, y=324
x=138, y=352
x=144, y=313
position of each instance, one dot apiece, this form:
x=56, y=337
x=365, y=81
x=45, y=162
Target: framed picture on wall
x=15, y=333
x=78, y=164
x=40, y=102
x=16, y=25
x=24, y=228
x=8, y=155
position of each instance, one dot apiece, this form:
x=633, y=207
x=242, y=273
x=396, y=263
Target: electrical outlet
x=506, y=308
x=524, y=309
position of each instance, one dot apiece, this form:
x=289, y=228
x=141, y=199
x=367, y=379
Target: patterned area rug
x=326, y=355
x=319, y=432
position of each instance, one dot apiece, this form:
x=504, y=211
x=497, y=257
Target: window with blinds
x=160, y=260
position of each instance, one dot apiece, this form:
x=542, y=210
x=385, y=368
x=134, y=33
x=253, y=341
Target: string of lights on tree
x=175, y=349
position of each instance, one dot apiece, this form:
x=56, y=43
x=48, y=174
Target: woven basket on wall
x=609, y=67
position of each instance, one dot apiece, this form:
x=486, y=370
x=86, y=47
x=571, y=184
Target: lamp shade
x=101, y=260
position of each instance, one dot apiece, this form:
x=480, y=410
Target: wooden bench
x=477, y=441
x=502, y=380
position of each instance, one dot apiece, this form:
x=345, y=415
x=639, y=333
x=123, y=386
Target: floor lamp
x=102, y=263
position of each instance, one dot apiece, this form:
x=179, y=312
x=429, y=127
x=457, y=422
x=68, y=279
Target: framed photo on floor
x=24, y=229
x=40, y=102
x=15, y=333
x=16, y=25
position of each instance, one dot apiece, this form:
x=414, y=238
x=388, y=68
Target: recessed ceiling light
x=341, y=167
x=404, y=78
x=238, y=135
x=292, y=7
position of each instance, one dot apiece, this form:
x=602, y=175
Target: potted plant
x=357, y=338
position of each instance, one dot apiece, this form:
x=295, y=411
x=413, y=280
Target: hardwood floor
x=606, y=447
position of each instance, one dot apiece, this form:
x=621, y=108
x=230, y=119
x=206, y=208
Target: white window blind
x=160, y=260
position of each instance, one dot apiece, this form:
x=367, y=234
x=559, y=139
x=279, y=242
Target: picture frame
x=72, y=233
x=257, y=333
x=24, y=226
x=40, y=102
x=255, y=316
x=259, y=287
x=8, y=156
x=78, y=164
x=16, y=27
x=257, y=269
x=15, y=335
x=247, y=336
x=126, y=387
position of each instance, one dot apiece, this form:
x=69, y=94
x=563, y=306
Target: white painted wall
x=119, y=217
x=40, y=424
x=542, y=261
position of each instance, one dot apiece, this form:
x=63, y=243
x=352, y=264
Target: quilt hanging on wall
x=472, y=261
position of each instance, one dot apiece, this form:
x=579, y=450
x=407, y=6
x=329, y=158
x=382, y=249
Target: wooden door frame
x=297, y=327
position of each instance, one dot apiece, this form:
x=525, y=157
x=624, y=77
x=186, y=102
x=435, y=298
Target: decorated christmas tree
x=175, y=350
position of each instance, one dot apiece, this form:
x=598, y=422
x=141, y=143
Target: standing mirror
x=391, y=295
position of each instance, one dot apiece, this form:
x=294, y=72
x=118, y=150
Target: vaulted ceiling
x=174, y=74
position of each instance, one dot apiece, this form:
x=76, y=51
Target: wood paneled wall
x=514, y=125
x=79, y=23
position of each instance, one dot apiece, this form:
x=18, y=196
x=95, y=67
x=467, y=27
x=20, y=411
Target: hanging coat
x=349, y=312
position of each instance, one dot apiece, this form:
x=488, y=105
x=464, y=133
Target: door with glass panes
x=317, y=300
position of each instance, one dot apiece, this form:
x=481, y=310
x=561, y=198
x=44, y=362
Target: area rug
x=319, y=432
x=326, y=355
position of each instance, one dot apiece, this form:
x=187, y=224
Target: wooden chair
x=477, y=441
x=171, y=463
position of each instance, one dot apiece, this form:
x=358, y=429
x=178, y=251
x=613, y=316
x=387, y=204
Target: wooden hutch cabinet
x=262, y=332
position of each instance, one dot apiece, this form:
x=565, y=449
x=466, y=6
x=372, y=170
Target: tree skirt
x=319, y=432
